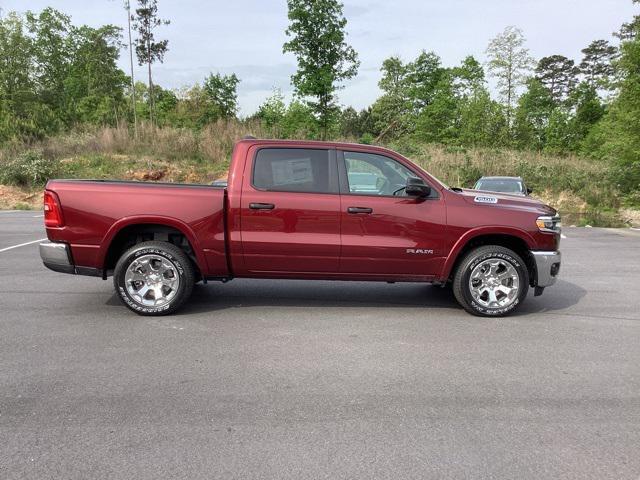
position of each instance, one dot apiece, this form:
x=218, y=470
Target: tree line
x=56, y=76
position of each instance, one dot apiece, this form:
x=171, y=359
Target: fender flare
x=124, y=222
x=479, y=232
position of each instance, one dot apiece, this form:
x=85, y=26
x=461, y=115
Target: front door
x=384, y=231
x=290, y=211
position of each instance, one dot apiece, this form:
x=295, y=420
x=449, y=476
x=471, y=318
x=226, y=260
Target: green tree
x=394, y=77
x=423, y=78
x=460, y=110
x=510, y=63
x=437, y=120
x=54, y=74
x=317, y=31
x=272, y=112
x=468, y=77
x=558, y=74
x=95, y=84
x=620, y=131
x=299, y=121
x=629, y=30
x=349, y=126
x=389, y=111
x=356, y=124
x=408, y=91
x=481, y=121
x=597, y=63
x=53, y=45
x=222, y=96
x=17, y=89
x=148, y=49
x=532, y=116
x=587, y=109
x=166, y=102
x=560, y=135
x=191, y=108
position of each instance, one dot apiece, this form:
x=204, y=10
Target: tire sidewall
x=497, y=254
x=124, y=294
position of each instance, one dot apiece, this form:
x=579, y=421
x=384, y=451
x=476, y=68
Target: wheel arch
x=517, y=240
x=129, y=231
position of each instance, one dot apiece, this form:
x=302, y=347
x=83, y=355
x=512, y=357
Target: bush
x=29, y=169
x=366, y=139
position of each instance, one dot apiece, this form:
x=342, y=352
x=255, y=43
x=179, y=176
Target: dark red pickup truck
x=303, y=210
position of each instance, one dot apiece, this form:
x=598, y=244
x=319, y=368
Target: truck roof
x=314, y=143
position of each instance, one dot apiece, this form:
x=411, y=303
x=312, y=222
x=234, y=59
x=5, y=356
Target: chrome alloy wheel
x=494, y=283
x=152, y=280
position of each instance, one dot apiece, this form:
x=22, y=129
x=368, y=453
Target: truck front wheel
x=491, y=281
x=153, y=278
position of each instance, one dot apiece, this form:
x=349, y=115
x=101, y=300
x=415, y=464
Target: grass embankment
x=578, y=187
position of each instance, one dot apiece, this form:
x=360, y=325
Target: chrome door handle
x=262, y=206
x=359, y=210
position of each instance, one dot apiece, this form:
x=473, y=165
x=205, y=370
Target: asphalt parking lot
x=295, y=380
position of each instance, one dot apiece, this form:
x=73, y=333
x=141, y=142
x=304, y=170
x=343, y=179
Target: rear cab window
x=302, y=170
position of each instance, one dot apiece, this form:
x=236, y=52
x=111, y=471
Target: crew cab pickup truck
x=302, y=210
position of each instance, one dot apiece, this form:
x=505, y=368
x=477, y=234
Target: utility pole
x=133, y=82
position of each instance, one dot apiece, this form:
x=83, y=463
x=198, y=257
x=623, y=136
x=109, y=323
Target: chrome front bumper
x=56, y=257
x=547, y=267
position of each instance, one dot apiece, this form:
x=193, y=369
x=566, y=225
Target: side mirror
x=529, y=191
x=417, y=188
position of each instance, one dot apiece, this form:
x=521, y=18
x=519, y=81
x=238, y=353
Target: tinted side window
x=371, y=174
x=294, y=170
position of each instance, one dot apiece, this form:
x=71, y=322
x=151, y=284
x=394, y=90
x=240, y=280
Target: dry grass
x=212, y=143
x=461, y=166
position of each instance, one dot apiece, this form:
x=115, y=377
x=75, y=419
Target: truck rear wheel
x=491, y=281
x=153, y=278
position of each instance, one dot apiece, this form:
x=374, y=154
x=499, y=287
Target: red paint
x=305, y=235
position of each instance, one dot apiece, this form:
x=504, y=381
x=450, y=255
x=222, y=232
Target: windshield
x=503, y=185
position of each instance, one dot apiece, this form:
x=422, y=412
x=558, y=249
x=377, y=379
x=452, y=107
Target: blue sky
x=246, y=36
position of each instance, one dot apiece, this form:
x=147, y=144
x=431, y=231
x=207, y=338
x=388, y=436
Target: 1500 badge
x=485, y=199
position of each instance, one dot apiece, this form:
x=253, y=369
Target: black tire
x=461, y=280
x=176, y=257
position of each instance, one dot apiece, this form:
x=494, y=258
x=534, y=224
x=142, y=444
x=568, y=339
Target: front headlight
x=549, y=224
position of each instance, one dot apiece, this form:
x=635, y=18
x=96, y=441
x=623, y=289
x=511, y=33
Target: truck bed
x=95, y=211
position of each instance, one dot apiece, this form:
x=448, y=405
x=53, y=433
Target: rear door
x=290, y=211
x=384, y=231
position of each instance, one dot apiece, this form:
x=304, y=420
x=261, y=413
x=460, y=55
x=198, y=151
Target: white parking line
x=21, y=245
